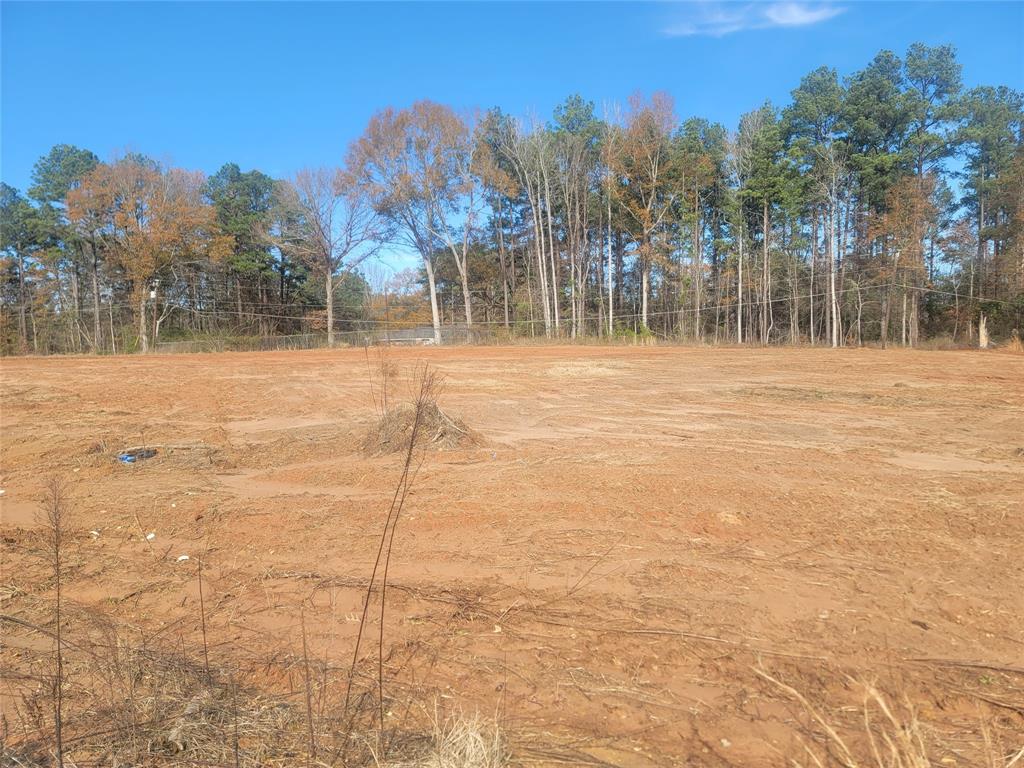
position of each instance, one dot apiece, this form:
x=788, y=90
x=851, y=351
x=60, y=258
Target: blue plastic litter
x=131, y=457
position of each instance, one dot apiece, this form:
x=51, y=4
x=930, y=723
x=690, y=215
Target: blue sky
x=279, y=86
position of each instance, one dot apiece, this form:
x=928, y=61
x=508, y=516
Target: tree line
x=883, y=207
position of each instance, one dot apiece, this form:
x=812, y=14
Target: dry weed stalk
x=995, y=751
x=308, y=689
x=202, y=619
x=429, y=385
x=55, y=511
x=386, y=370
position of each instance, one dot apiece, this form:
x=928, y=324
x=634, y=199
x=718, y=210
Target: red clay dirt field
x=625, y=556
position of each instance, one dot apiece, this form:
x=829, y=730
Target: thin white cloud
x=799, y=14
x=716, y=19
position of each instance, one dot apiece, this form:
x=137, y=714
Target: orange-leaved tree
x=901, y=228
x=150, y=219
x=644, y=162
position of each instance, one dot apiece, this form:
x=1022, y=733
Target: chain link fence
x=420, y=335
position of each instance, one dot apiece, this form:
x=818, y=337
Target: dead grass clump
x=437, y=430
x=1014, y=344
x=889, y=735
x=895, y=740
x=204, y=724
x=459, y=741
x=940, y=343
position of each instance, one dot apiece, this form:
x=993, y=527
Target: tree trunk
x=844, y=239
x=329, y=300
x=143, y=331
x=529, y=297
x=956, y=310
x=554, y=282
x=860, y=312
x=503, y=258
x=765, y=277
x=645, y=289
x=739, y=292
x=611, y=273
x=97, y=335
x=914, y=318
x=435, y=315
x=113, y=340
x=794, y=289
x=903, y=332
x=551, y=252
x=696, y=264
x=979, y=265
x=970, y=303
x=833, y=301
x=238, y=297
x=538, y=241
x=572, y=296
x=466, y=298
x=156, y=318
x=814, y=260
x=886, y=314
x=826, y=307
x=22, y=304
x=542, y=278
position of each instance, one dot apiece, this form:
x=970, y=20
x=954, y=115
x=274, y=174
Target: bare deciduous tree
x=417, y=166
x=328, y=225
x=528, y=153
x=832, y=178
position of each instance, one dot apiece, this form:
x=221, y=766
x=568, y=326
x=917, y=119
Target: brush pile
x=437, y=430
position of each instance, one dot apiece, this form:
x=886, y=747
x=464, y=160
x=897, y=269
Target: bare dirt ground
x=639, y=531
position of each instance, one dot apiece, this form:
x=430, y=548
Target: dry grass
x=136, y=703
x=459, y=741
x=942, y=342
x=891, y=734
